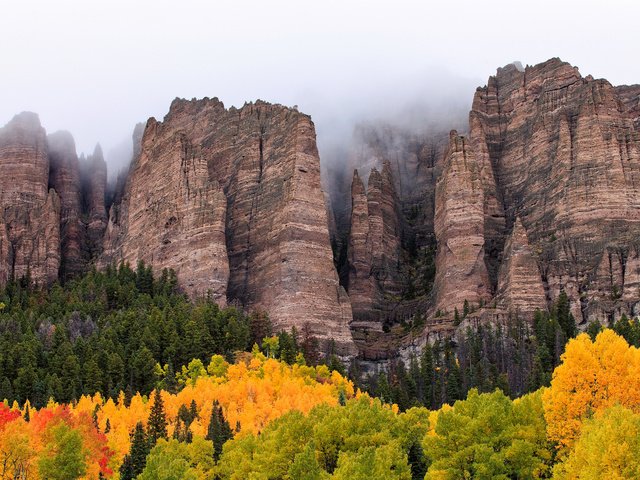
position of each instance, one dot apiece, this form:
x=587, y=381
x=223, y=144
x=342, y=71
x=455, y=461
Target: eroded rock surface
x=30, y=222
x=231, y=199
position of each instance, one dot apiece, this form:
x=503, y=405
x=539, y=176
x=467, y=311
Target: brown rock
x=173, y=216
x=566, y=155
x=253, y=173
x=520, y=288
x=30, y=212
x=461, y=272
x=94, y=173
x=64, y=178
x=374, y=249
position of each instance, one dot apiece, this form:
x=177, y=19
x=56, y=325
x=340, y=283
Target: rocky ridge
x=502, y=218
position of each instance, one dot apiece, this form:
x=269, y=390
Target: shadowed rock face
x=30, y=225
x=231, y=199
x=520, y=287
x=94, y=174
x=64, y=178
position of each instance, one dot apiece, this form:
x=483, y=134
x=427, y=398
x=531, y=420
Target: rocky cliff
x=231, y=199
x=94, y=181
x=64, y=178
x=375, y=250
x=541, y=195
x=30, y=222
x=565, y=152
x=461, y=195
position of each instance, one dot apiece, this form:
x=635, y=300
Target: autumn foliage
x=593, y=376
x=265, y=418
x=251, y=394
x=56, y=442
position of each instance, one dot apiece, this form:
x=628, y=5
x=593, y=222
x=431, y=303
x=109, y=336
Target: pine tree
x=107, y=426
x=342, y=398
x=126, y=469
x=94, y=417
x=157, y=425
x=219, y=430
x=564, y=316
x=134, y=463
x=193, y=411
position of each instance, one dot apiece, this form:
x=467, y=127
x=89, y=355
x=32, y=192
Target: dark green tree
x=157, y=424
x=136, y=460
x=219, y=430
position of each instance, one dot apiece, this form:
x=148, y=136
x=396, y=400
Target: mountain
x=541, y=195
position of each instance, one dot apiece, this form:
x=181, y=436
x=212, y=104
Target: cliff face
x=462, y=192
x=172, y=215
x=29, y=226
x=561, y=157
x=64, y=178
x=542, y=195
x=564, y=152
x=231, y=199
x=374, y=248
x=520, y=288
x=94, y=175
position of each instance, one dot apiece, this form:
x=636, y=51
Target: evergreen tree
x=136, y=460
x=157, y=425
x=564, y=316
x=219, y=430
x=193, y=411
x=427, y=374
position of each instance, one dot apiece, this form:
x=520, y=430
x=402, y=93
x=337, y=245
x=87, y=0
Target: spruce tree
x=157, y=425
x=134, y=463
x=219, y=430
x=193, y=411
x=126, y=469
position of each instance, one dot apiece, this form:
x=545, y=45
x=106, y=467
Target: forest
x=118, y=375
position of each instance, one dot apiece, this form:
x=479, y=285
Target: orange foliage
x=593, y=376
x=21, y=442
x=251, y=393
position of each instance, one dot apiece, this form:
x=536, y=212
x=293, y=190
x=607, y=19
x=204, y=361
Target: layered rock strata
x=64, y=178
x=375, y=249
x=30, y=215
x=231, y=199
x=462, y=191
x=565, y=155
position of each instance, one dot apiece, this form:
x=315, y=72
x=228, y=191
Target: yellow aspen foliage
x=592, y=377
x=251, y=394
x=609, y=447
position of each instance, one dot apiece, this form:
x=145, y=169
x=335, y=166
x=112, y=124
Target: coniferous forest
x=118, y=375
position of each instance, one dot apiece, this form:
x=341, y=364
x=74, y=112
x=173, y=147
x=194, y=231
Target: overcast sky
x=96, y=68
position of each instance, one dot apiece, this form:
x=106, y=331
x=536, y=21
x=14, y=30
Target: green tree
x=219, y=430
x=489, y=436
x=173, y=460
x=134, y=463
x=64, y=457
x=157, y=424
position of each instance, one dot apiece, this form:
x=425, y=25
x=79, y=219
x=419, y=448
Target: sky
x=96, y=68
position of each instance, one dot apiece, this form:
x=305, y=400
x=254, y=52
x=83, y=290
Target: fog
x=97, y=68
